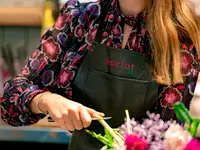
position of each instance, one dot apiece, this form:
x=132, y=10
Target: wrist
x=43, y=101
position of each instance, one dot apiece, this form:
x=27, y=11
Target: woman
x=105, y=57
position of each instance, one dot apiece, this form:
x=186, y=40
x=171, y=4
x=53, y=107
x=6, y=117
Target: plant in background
x=55, y=8
x=13, y=58
x=51, y=13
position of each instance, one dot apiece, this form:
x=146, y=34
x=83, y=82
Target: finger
x=69, y=124
x=63, y=126
x=92, y=112
x=85, y=117
x=60, y=123
x=57, y=117
x=77, y=121
x=100, y=114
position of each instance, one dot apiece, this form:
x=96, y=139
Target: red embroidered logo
x=120, y=64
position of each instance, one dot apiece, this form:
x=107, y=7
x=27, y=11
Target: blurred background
x=22, y=23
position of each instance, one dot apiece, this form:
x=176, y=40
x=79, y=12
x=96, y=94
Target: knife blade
x=103, y=118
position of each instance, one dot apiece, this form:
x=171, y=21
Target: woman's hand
x=67, y=114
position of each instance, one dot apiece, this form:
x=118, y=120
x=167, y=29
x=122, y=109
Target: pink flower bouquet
x=152, y=134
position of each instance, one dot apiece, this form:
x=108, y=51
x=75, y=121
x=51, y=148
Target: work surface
x=34, y=135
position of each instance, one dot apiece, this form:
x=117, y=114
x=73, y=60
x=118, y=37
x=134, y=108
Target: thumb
x=92, y=112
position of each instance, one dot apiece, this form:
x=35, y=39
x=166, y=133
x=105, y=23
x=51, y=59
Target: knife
x=103, y=118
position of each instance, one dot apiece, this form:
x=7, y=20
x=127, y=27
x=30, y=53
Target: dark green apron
x=112, y=80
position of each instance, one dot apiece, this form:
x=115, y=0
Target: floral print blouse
x=56, y=61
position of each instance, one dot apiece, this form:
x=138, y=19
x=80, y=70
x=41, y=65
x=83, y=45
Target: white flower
x=176, y=138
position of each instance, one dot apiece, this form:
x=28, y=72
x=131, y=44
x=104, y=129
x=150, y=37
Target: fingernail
x=102, y=114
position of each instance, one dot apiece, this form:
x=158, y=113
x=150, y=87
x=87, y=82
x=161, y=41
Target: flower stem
x=109, y=129
x=128, y=120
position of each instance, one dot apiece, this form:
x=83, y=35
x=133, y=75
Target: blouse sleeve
x=168, y=95
x=38, y=72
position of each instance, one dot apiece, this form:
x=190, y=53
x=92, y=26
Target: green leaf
x=101, y=138
x=194, y=127
x=182, y=113
x=110, y=138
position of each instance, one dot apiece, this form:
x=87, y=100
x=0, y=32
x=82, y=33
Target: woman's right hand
x=67, y=114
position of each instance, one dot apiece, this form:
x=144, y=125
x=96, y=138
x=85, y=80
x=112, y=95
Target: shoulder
x=75, y=12
x=79, y=7
x=91, y=7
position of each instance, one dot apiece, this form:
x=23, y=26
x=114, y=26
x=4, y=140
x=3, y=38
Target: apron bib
x=111, y=80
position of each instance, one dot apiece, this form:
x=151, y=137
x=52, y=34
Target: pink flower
x=62, y=20
x=133, y=44
x=169, y=96
x=116, y=31
x=51, y=49
x=133, y=142
x=194, y=144
x=176, y=138
x=79, y=32
x=118, y=45
x=43, y=63
x=185, y=47
x=196, y=72
x=75, y=61
x=82, y=48
x=197, y=58
x=111, y=17
x=108, y=41
x=15, y=98
x=35, y=54
x=65, y=77
x=25, y=71
x=68, y=92
x=91, y=35
x=187, y=61
x=3, y=99
x=143, y=31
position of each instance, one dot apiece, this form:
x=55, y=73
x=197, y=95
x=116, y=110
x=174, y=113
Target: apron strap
x=104, y=10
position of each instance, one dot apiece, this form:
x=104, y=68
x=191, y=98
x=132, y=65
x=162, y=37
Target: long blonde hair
x=166, y=20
